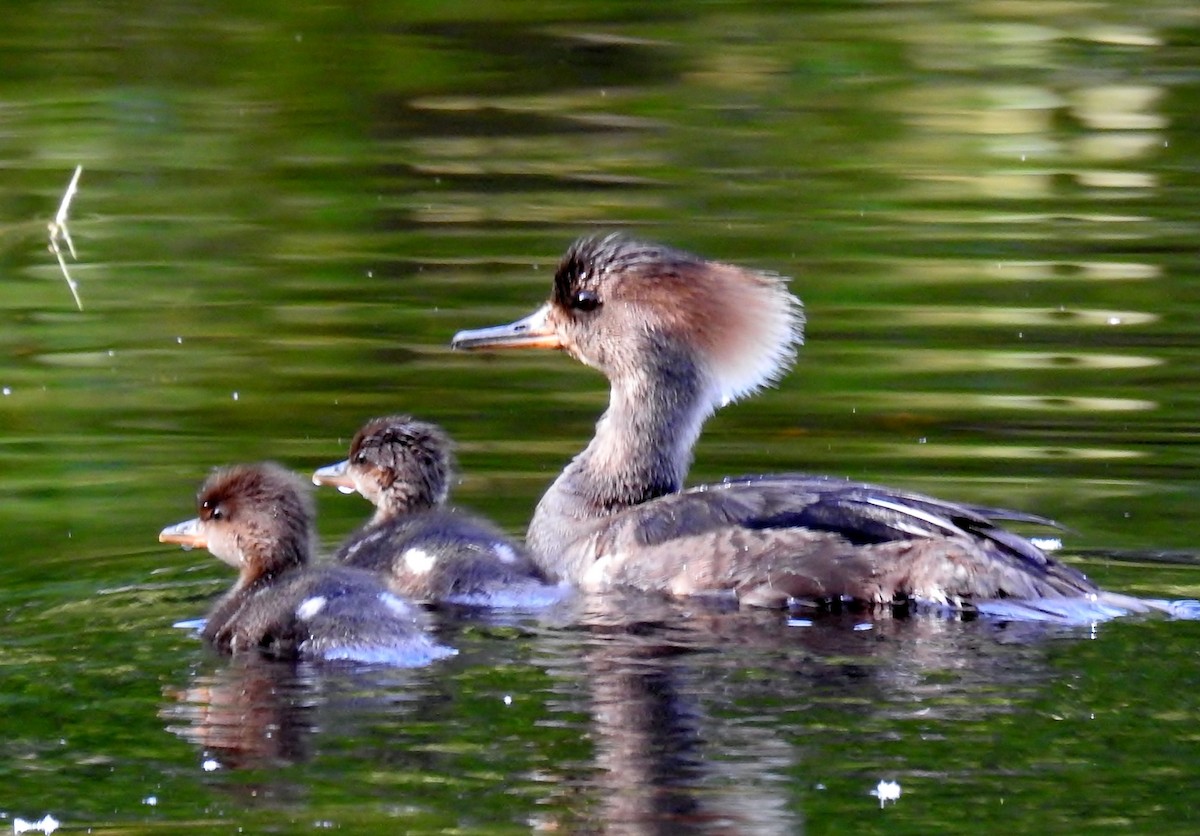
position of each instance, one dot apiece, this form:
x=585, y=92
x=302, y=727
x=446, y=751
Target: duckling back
x=328, y=613
x=447, y=555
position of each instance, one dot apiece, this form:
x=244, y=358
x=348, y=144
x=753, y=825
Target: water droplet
x=886, y=791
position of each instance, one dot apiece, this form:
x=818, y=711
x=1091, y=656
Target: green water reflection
x=286, y=211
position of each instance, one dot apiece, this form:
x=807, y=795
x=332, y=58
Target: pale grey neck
x=642, y=449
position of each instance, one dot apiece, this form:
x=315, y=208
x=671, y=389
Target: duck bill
x=335, y=476
x=186, y=534
x=534, y=331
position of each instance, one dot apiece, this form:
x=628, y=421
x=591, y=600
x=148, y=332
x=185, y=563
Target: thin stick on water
x=58, y=230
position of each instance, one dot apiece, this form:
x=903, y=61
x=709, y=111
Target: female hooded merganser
x=428, y=551
x=678, y=336
x=258, y=519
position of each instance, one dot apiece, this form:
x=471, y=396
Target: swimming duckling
x=428, y=551
x=258, y=519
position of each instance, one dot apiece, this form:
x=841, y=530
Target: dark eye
x=585, y=300
x=209, y=510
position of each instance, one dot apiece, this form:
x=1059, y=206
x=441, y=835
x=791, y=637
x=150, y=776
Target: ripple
x=943, y=361
x=1117, y=179
x=1053, y=360
x=957, y=401
x=963, y=315
x=926, y=450
x=959, y=271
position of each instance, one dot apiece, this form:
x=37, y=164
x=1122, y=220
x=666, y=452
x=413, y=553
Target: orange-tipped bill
x=186, y=534
x=335, y=476
x=534, y=331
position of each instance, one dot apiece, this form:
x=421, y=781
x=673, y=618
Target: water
x=284, y=215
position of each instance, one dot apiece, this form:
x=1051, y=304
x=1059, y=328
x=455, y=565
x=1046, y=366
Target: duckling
x=258, y=518
x=428, y=551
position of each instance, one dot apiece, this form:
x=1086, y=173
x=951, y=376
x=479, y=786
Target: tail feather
x=1085, y=609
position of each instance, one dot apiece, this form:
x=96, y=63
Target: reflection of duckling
x=404, y=466
x=258, y=519
x=250, y=714
x=678, y=337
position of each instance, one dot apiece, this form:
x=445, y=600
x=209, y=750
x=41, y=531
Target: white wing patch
x=309, y=607
x=419, y=561
x=504, y=552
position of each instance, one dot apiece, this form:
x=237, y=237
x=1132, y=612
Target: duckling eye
x=585, y=300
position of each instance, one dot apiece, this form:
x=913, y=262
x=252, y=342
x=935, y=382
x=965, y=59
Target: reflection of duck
x=251, y=713
x=258, y=519
x=664, y=764
x=404, y=467
x=679, y=336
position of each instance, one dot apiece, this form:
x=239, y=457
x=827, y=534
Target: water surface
x=989, y=210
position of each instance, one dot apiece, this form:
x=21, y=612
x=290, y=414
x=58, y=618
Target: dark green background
x=990, y=210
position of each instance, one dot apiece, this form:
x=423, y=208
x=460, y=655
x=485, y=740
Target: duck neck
x=400, y=501
x=642, y=450
x=285, y=557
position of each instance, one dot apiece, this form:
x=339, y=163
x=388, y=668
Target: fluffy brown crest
x=257, y=517
x=743, y=325
x=246, y=487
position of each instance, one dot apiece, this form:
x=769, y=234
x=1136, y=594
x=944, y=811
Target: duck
x=679, y=336
x=426, y=549
x=258, y=518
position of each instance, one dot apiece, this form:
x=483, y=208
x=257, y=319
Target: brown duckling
x=258, y=519
x=427, y=550
x=678, y=337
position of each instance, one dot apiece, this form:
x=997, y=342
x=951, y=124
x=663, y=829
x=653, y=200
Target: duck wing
x=777, y=537
x=866, y=513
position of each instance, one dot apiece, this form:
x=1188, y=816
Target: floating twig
x=58, y=230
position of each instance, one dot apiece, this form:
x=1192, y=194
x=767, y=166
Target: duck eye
x=585, y=300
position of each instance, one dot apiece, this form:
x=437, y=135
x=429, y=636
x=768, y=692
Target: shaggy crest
x=744, y=324
x=413, y=457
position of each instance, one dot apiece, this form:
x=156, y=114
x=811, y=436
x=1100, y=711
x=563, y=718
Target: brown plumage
x=424, y=549
x=678, y=336
x=258, y=519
